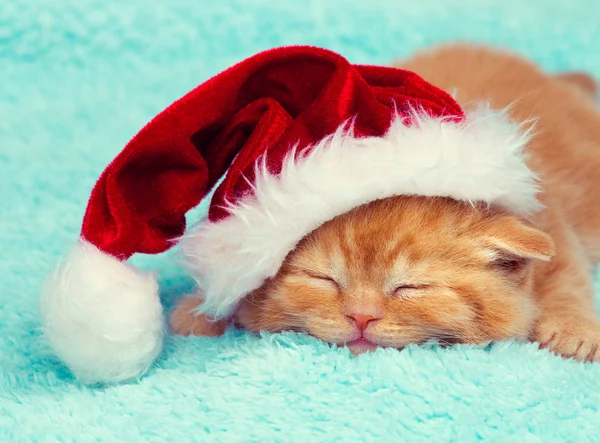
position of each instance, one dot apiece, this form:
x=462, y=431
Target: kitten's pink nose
x=362, y=320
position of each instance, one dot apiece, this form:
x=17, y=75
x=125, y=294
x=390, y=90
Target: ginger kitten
x=413, y=269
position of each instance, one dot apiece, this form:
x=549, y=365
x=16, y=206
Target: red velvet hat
x=300, y=136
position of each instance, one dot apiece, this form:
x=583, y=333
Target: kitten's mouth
x=361, y=345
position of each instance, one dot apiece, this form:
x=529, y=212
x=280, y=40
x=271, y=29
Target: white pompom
x=102, y=317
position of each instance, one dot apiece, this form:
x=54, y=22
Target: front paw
x=185, y=321
x=575, y=337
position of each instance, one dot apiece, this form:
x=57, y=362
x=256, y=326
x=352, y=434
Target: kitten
x=412, y=269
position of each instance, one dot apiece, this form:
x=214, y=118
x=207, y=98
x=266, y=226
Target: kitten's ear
x=512, y=244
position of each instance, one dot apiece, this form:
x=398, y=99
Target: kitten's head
x=405, y=270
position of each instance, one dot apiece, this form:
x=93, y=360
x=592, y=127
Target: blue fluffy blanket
x=79, y=78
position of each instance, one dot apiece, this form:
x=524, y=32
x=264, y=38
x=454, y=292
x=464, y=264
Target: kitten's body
x=465, y=274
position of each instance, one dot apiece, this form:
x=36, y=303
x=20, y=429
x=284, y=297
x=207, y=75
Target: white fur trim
x=102, y=317
x=479, y=159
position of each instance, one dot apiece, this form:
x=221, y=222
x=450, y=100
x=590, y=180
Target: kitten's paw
x=572, y=337
x=185, y=321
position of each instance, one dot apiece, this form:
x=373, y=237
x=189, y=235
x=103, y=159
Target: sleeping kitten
x=413, y=269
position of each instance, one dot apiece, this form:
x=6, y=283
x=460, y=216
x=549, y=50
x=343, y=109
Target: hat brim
x=480, y=159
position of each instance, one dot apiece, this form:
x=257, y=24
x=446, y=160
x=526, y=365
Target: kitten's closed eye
x=407, y=290
x=323, y=278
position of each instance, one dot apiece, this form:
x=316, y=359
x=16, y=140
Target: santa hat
x=301, y=136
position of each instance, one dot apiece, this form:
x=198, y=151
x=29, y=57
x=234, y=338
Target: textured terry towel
x=79, y=78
